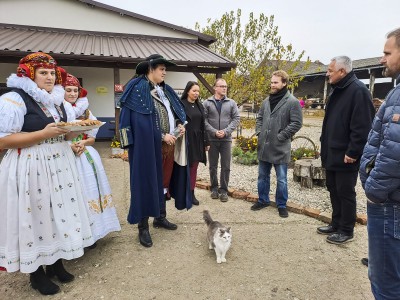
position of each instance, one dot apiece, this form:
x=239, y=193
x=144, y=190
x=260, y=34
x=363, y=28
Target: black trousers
x=341, y=187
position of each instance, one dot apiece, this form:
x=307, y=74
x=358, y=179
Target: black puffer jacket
x=348, y=118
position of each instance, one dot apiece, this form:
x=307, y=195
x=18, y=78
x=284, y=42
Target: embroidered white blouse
x=13, y=109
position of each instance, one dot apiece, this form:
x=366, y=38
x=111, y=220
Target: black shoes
x=57, y=270
x=145, y=238
x=259, y=205
x=364, y=261
x=326, y=229
x=144, y=234
x=164, y=223
x=339, y=238
x=194, y=199
x=42, y=283
x=223, y=197
x=214, y=195
x=143, y=226
x=92, y=246
x=283, y=213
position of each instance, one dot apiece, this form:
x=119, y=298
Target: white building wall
x=72, y=14
x=102, y=104
x=6, y=70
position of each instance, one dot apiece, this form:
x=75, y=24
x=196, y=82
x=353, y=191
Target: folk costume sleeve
x=12, y=111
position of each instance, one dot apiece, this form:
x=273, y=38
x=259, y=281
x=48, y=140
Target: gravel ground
x=245, y=177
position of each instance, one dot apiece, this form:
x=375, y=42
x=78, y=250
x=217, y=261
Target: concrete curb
x=292, y=207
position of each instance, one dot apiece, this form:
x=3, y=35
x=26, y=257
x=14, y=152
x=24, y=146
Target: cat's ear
x=228, y=230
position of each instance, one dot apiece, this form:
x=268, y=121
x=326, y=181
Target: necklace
x=191, y=104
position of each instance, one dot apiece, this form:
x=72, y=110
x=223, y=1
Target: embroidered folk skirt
x=43, y=213
x=97, y=194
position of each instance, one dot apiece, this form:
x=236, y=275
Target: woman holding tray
x=96, y=189
x=44, y=218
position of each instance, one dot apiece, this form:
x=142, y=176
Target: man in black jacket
x=348, y=117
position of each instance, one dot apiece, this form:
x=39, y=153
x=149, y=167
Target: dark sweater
x=275, y=98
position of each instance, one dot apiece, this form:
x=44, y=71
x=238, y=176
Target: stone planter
x=116, y=151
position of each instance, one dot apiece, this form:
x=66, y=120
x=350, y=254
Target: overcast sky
x=323, y=29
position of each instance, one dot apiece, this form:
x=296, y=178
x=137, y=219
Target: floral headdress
x=71, y=80
x=28, y=65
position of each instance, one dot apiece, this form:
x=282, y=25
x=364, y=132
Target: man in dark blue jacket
x=348, y=116
x=380, y=176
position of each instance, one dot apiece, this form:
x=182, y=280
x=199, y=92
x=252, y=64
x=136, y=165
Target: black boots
x=163, y=222
x=42, y=283
x=57, y=269
x=143, y=226
x=194, y=200
x=144, y=234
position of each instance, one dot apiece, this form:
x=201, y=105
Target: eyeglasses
x=222, y=86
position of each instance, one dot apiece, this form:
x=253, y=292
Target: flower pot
x=116, y=151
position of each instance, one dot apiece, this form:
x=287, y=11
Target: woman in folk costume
x=44, y=218
x=96, y=189
x=158, y=159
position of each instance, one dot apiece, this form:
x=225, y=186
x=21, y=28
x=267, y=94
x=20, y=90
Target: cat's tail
x=207, y=217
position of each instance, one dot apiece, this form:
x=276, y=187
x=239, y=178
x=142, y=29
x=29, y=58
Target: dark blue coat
x=141, y=135
x=383, y=182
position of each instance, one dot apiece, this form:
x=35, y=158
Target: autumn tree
x=257, y=50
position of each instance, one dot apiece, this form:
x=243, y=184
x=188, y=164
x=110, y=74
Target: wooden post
x=204, y=82
x=371, y=82
x=325, y=90
x=116, y=81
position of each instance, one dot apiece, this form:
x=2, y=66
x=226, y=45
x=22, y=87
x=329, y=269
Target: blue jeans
x=384, y=249
x=264, y=183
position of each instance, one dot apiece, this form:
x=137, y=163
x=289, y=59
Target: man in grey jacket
x=221, y=119
x=279, y=118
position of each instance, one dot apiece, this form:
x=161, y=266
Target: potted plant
x=116, y=146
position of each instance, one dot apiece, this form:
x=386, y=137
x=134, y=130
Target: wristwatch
x=162, y=137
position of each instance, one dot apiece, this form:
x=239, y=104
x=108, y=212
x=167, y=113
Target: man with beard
x=348, y=116
x=380, y=176
x=279, y=118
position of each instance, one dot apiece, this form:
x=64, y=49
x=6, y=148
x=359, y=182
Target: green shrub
x=245, y=158
x=303, y=152
x=237, y=151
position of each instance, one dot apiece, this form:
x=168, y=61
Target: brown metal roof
x=94, y=48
